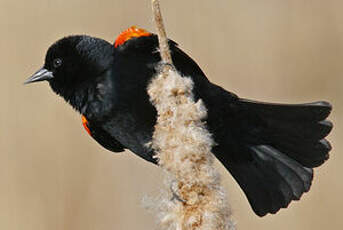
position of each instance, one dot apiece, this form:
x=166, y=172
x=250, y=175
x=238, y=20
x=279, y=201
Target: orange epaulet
x=85, y=124
x=132, y=32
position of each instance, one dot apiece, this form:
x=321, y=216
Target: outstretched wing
x=270, y=149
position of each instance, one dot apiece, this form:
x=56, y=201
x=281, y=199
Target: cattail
x=183, y=148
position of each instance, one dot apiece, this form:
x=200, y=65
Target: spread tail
x=272, y=148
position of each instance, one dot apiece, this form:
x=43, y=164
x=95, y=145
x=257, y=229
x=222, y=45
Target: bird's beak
x=41, y=75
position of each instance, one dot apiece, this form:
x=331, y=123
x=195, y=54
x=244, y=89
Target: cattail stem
x=183, y=148
x=162, y=36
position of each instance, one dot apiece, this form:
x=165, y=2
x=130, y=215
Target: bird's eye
x=57, y=62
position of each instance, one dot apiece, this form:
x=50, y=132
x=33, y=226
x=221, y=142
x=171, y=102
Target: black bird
x=270, y=149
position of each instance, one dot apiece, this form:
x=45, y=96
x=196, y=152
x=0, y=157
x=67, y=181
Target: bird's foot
x=175, y=196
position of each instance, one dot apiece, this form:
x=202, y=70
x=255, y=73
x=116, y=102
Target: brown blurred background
x=53, y=176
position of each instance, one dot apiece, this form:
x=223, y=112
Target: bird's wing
x=102, y=137
x=136, y=63
x=270, y=149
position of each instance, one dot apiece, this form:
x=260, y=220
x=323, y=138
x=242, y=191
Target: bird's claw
x=175, y=195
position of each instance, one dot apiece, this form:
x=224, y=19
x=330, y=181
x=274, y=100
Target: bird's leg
x=175, y=195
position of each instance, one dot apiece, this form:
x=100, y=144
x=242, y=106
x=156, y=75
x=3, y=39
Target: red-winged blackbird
x=270, y=149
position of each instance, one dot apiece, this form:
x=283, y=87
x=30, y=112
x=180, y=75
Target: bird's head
x=72, y=62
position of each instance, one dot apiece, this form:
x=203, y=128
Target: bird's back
x=270, y=149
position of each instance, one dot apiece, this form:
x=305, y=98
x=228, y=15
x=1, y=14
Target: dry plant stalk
x=183, y=148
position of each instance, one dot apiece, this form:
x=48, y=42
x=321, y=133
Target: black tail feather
x=315, y=111
x=296, y=130
x=272, y=149
x=308, y=131
x=271, y=180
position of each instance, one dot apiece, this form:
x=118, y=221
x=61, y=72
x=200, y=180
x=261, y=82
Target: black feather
x=274, y=148
x=270, y=149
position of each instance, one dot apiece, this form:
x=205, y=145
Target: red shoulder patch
x=132, y=32
x=85, y=124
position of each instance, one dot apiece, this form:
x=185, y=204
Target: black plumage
x=270, y=149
